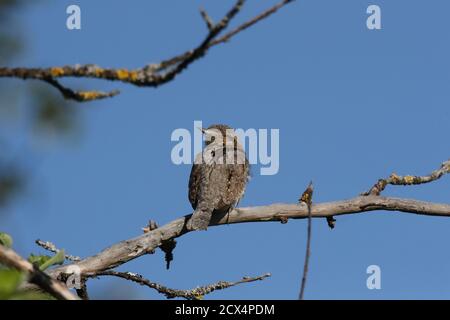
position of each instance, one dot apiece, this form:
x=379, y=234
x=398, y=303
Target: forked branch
x=152, y=75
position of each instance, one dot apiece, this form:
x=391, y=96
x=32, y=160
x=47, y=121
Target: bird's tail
x=200, y=220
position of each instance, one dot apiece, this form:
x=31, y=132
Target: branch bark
x=152, y=75
x=306, y=198
x=193, y=294
x=130, y=249
x=397, y=180
x=47, y=245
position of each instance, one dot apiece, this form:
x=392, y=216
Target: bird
x=218, y=176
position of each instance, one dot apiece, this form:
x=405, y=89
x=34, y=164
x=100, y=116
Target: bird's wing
x=237, y=181
x=209, y=190
x=194, y=185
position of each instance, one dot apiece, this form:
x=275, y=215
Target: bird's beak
x=203, y=130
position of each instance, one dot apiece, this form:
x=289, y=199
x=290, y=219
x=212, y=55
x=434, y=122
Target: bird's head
x=217, y=132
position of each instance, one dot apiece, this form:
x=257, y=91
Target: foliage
x=11, y=279
x=6, y=240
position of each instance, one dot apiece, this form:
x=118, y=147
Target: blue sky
x=352, y=105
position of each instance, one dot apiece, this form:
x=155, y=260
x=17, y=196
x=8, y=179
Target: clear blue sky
x=352, y=105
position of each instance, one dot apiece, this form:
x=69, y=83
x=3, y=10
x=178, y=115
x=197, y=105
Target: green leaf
x=9, y=282
x=58, y=258
x=6, y=240
x=45, y=261
x=38, y=259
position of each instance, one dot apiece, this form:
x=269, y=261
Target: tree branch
x=49, y=246
x=193, y=294
x=10, y=258
x=397, y=180
x=155, y=236
x=80, y=96
x=306, y=198
x=130, y=249
x=152, y=75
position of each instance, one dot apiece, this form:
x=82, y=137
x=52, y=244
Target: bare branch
x=130, y=249
x=307, y=199
x=207, y=18
x=397, y=180
x=152, y=75
x=47, y=245
x=80, y=96
x=225, y=38
x=9, y=258
x=193, y=294
x=201, y=50
x=251, y=22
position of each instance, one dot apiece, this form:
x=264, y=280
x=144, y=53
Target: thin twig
x=207, y=19
x=81, y=96
x=397, y=180
x=49, y=246
x=306, y=198
x=201, y=50
x=251, y=22
x=193, y=294
x=223, y=39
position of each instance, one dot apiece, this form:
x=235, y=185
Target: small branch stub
x=331, y=222
x=167, y=246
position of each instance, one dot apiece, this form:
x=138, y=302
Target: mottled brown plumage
x=218, y=177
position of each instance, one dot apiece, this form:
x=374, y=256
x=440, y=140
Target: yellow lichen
x=89, y=95
x=56, y=72
x=98, y=72
x=409, y=179
x=394, y=177
x=133, y=75
x=122, y=74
